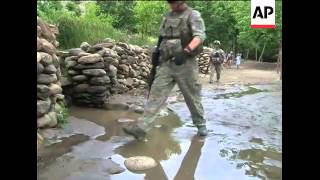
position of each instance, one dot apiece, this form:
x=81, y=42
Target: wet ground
x=245, y=140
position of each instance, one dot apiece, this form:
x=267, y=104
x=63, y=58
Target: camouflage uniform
x=216, y=63
x=187, y=25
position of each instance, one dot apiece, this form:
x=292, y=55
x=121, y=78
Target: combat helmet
x=216, y=42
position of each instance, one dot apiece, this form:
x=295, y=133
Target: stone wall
x=98, y=71
x=203, y=60
x=49, y=89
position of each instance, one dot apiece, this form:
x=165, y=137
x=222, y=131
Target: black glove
x=180, y=58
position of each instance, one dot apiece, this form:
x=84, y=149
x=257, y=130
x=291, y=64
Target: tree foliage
x=138, y=22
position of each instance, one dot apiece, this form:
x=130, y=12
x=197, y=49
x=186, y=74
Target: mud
x=244, y=141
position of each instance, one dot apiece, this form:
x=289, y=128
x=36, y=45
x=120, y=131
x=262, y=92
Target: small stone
x=46, y=59
x=90, y=59
x=43, y=107
x=85, y=46
x=70, y=64
x=81, y=88
x=46, y=78
x=99, y=65
x=43, y=121
x=53, y=119
x=73, y=72
x=40, y=68
x=94, y=72
x=79, y=78
x=100, y=80
x=77, y=52
x=47, y=46
x=38, y=57
x=65, y=81
x=96, y=89
x=55, y=89
x=50, y=69
x=112, y=70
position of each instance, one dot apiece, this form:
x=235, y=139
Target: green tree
x=148, y=16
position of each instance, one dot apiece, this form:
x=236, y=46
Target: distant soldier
x=238, y=60
x=216, y=59
x=230, y=58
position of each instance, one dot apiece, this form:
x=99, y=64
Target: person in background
x=238, y=60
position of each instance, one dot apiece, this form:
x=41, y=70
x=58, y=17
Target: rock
x=63, y=54
x=71, y=58
x=84, y=95
x=50, y=69
x=73, y=72
x=105, y=45
x=123, y=61
x=138, y=110
x=128, y=82
x=99, y=65
x=77, y=52
x=94, y=72
x=81, y=88
x=124, y=68
x=79, y=78
x=43, y=107
x=56, y=61
x=96, y=89
x=131, y=60
x=123, y=45
x=55, y=89
x=46, y=78
x=38, y=57
x=53, y=119
x=109, y=40
x=116, y=106
x=133, y=73
x=39, y=31
x=112, y=70
x=70, y=64
x=100, y=80
x=43, y=121
x=60, y=97
x=139, y=163
x=90, y=59
x=39, y=44
x=65, y=81
x=46, y=46
x=46, y=59
x=85, y=46
x=40, y=68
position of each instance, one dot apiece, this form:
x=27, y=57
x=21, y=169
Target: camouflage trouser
x=186, y=77
x=215, y=67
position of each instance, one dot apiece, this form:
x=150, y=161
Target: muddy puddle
x=245, y=141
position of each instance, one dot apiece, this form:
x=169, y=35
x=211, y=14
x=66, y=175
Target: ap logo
x=263, y=14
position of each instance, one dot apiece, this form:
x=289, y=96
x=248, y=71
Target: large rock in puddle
x=139, y=163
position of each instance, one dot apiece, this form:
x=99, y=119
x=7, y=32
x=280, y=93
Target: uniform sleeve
x=162, y=24
x=197, y=25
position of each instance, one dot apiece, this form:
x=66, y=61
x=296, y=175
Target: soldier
x=230, y=58
x=183, y=32
x=217, y=57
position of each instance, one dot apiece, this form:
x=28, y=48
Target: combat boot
x=202, y=131
x=136, y=131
